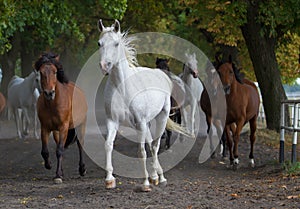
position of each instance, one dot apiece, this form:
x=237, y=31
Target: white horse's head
x=37, y=81
x=191, y=65
x=114, y=47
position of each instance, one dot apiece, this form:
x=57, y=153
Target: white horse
x=22, y=94
x=137, y=95
x=193, y=90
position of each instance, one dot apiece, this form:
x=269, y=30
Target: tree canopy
x=70, y=28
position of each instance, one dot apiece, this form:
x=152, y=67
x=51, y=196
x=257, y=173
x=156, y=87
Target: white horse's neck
x=187, y=77
x=119, y=74
x=29, y=81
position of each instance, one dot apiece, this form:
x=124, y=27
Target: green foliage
x=287, y=55
x=278, y=17
x=114, y=8
x=39, y=22
x=292, y=169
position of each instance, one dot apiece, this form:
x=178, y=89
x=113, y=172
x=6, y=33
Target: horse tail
x=71, y=137
x=172, y=126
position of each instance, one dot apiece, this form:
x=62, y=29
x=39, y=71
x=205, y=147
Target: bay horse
x=213, y=104
x=136, y=95
x=22, y=93
x=177, y=97
x=243, y=101
x=61, y=110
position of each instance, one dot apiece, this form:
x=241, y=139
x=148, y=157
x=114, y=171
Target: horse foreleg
x=59, y=154
x=26, y=120
x=18, y=122
x=229, y=143
x=35, y=123
x=184, y=120
x=193, y=115
x=252, y=140
x=45, y=153
x=236, y=139
x=110, y=180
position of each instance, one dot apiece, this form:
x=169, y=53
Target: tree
x=266, y=23
x=29, y=27
x=260, y=25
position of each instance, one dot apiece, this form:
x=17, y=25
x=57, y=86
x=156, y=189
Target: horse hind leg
x=143, y=131
x=161, y=121
x=252, y=141
x=80, y=142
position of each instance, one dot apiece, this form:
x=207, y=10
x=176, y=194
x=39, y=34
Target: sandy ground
x=25, y=183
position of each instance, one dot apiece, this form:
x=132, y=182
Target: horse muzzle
x=49, y=95
x=227, y=89
x=105, y=67
x=195, y=73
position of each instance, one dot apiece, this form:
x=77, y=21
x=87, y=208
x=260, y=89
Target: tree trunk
x=262, y=53
x=8, y=63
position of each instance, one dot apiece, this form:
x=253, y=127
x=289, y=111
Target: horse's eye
x=100, y=44
x=117, y=44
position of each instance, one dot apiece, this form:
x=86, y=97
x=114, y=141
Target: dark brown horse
x=242, y=100
x=2, y=102
x=61, y=110
x=175, y=115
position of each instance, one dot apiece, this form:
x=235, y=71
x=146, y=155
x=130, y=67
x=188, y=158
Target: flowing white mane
x=126, y=41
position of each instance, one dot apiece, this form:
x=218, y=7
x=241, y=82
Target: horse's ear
x=57, y=58
x=116, y=26
x=217, y=58
x=157, y=60
x=100, y=26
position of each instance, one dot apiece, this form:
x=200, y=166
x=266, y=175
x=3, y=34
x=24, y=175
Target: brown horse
x=62, y=110
x=2, y=102
x=242, y=100
x=213, y=104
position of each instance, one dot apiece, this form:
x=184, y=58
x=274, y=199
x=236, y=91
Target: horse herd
x=137, y=95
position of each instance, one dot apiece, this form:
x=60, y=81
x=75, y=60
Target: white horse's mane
x=126, y=42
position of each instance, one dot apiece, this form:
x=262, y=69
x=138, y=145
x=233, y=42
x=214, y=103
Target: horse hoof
x=57, y=180
x=163, y=183
x=48, y=166
x=82, y=171
x=146, y=188
x=155, y=182
x=110, y=184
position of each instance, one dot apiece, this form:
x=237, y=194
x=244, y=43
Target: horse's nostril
x=108, y=64
x=49, y=93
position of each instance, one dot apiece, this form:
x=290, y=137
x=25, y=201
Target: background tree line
x=262, y=36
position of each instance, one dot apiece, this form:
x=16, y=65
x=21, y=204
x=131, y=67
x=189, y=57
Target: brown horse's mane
x=51, y=58
x=237, y=73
